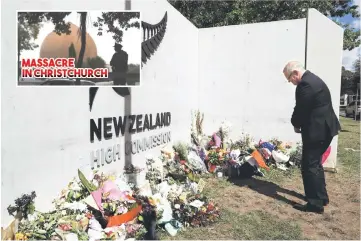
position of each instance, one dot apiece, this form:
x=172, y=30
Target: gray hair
x=292, y=66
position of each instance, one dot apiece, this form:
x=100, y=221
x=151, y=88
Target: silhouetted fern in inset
x=152, y=37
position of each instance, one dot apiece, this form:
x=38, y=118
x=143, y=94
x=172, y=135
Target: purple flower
x=202, y=154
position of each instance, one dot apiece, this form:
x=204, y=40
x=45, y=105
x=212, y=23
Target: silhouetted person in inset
x=119, y=65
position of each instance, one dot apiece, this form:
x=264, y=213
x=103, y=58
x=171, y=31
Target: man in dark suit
x=119, y=65
x=315, y=119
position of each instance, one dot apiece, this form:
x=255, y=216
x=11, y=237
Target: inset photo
x=93, y=48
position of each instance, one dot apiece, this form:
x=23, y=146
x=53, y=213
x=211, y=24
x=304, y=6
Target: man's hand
x=297, y=130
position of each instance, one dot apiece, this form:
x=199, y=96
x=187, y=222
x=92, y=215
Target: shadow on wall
x=127, y=111
x=127, y=135
x=125, y=93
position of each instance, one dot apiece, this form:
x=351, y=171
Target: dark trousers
x=312, y=172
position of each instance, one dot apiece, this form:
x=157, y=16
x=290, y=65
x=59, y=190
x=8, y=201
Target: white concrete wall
x=45, y=131
x=241, y=79
x=324, y=58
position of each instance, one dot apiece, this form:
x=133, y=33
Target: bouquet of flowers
x=74, y=192
x=55, y=225
x=155, y=171
x=181, y=151
x=217, y=156
x=196, y=212
x=23, y=205
x=224, y=131
x=244, y=144
x=117, y=207
x=136, y=231
x=296, y=156
x=279, y=146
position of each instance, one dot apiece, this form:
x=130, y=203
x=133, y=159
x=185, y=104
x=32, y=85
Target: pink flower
x=65, y=227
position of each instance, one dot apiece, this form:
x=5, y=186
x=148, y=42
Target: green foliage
x=350, y=36
x=350, y=79
x=182, y=150
x=96, y=62
x=117, y=22
x=72, y=52
x=88, y=185
x=205, y=14
x=27, y=33
x=356, y=77
x=133, y=68
x=23, y=205
x=347, y=85
x=57, y=18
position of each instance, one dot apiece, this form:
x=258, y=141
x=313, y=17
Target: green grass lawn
x=250, y=215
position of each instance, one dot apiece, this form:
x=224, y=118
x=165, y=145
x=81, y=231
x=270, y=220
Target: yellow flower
x=111, y=178
x=154, y=201
x=183, y=197
x=20, y=236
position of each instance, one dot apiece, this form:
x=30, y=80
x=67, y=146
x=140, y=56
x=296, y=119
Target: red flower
x=210, y=207
x=182, y=162
x=65, y=227
x=109, y=233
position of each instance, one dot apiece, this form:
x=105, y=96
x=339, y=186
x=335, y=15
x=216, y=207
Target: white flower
x=94, y=234
x=122, y=209
x=75, y=186
x=194, y=187
x=177, y=206
x=122, y=234
x=78, y=217
x=71, y=237
x=197, y=203
x=90, y=175
x=59, y=202
x=122, y=185
x=33, y=217
x=119, y=230
x=95, y=225
x=63, y=212
x=76, y=206
x=95, y=182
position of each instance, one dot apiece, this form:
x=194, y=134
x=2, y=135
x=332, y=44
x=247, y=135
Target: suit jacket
x=313, y=112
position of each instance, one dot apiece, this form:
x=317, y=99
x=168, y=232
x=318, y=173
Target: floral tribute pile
x=244, y=157
x=167, y=194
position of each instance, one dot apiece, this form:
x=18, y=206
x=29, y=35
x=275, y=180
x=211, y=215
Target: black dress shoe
x=325, y=202
x=308, y=208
